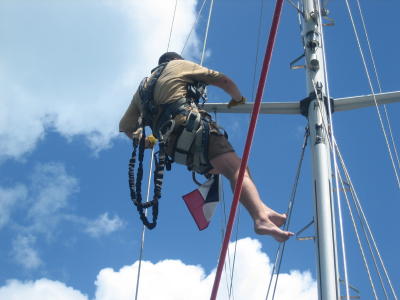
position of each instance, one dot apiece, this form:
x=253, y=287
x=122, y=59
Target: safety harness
x=190, y=149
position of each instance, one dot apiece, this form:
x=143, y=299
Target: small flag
x=203, y=201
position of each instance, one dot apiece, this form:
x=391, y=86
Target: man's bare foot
x=277, y=218
x=266, y=227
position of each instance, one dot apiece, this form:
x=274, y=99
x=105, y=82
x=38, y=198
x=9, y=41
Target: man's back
x=172, y=84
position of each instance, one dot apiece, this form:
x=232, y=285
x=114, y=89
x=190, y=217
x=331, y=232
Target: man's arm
x=130, y=120
x=227, y=84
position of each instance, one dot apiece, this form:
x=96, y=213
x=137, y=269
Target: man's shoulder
x=185, y=65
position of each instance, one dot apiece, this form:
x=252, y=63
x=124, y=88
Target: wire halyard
x=364, y=221
x=359, y=240
x=372, y=91
x=193, y=26
x=329, y=130
x=330, y=133
x=144, y=227
x=378, y=81
x=172, y=24
x=231, y=264
x=281, y=247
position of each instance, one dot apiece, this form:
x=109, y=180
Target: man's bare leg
x=266, y=220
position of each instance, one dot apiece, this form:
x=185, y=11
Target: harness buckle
x=166, y=129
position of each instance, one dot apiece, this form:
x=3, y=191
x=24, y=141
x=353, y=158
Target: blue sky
x=67, y=72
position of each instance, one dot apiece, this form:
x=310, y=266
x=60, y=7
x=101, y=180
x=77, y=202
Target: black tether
x=136, y=187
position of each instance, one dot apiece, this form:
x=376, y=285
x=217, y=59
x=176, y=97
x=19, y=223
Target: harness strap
x=169, y=112
x=146, y=92
x=186, y=138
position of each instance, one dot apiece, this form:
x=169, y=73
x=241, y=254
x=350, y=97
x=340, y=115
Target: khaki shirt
x=171, y=86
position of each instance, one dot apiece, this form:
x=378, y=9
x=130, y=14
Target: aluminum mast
x=325, y=238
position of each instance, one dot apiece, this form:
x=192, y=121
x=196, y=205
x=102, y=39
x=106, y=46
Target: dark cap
x=168, y=56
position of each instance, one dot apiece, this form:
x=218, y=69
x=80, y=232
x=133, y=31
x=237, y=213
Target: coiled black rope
x=136, y=187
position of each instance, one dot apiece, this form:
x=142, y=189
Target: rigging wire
x=257, y=47
x=329, y=130
x=358, y=239
x=249, y=139
x=367, y=239
x=144, y=227
x=372, y=90
x=363, y=219
x=193, y=26
x=206, y=35
x=230, y=291
x=231, y=265
x=142, y=240
x=172, y=24
x=378, y=82
x=281, y=247
x=227, y=265
x=366, y=223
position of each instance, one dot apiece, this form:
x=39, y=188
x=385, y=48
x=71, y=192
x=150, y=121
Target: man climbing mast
x=166, y=104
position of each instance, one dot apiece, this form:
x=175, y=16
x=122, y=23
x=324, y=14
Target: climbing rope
x=372, y=91
x=281, y=247
x=249, y=139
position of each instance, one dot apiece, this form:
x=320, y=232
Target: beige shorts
x=218, y=144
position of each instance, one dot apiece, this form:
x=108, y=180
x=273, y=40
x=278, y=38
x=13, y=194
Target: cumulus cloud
x=42, y=289
x=103, y=225
x=174, y=280
x=84, y=62
x=24, y=252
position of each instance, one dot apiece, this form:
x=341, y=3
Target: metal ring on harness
x=165, y=130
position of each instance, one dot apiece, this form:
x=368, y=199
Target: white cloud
x=42, y=289
x=174, y=280
x=9, y=199
x=52, y=187
x=103, y=225
x=84, y=62
x=45, y=204
x=24, y=253
x=49, y=191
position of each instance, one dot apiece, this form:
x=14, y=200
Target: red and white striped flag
x=203, y=201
